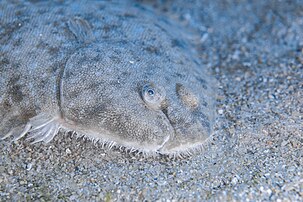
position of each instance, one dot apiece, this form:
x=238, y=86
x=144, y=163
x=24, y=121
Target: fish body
x=117, y=73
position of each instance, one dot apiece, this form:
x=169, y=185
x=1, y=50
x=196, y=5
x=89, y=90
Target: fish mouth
x=184, y=140
x=179, y=143
x=166, y=141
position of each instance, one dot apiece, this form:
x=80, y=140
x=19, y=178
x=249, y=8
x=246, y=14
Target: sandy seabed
x=255, y=52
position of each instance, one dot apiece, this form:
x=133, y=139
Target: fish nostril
x=186, y=96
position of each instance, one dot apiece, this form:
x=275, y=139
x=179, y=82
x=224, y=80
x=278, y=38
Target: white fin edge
x=43, y=128
x=40, y=128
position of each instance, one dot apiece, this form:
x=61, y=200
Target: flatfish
x=117, y=73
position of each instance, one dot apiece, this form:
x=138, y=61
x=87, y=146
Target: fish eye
x=153, y=96
x=151, y=92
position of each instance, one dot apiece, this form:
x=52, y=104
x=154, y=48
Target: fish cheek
x=82, y=85
x=128, y=126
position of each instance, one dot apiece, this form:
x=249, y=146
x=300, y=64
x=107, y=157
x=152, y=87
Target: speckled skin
x=82, y=68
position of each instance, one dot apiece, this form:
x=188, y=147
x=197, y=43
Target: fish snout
x=191, y=130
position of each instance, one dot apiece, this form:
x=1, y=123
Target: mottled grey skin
x=112, y=72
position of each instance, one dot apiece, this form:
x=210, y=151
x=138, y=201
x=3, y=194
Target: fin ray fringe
x=43, y=128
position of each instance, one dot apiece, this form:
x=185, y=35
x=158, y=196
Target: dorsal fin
x=81, y=29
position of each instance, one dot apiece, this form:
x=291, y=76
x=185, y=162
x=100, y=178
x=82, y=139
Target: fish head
x=148, y=102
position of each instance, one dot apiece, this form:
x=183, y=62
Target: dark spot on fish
x=60, y=12
x=9, y=29
x=203, y=82
x=56, y=24
x=17, y=42
x=16, y=93
x=27, y=114
x=68, y=34
x=116, y=83
x=181, y=62
x=19, y=13
x=41, y=45
x=109, y=27
x=42, y=84
x=53, y=50
x=178, y=43
x=7, y=105
x=13, y=80
x=115, y=59
x=125, y=74
x=42, y=11
x=167, y=79
x=129, y=15
x=4, y=61
x=178, y=75
x=152, y=50
x=204, y=103
x=101, y=7
x=179, y=87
